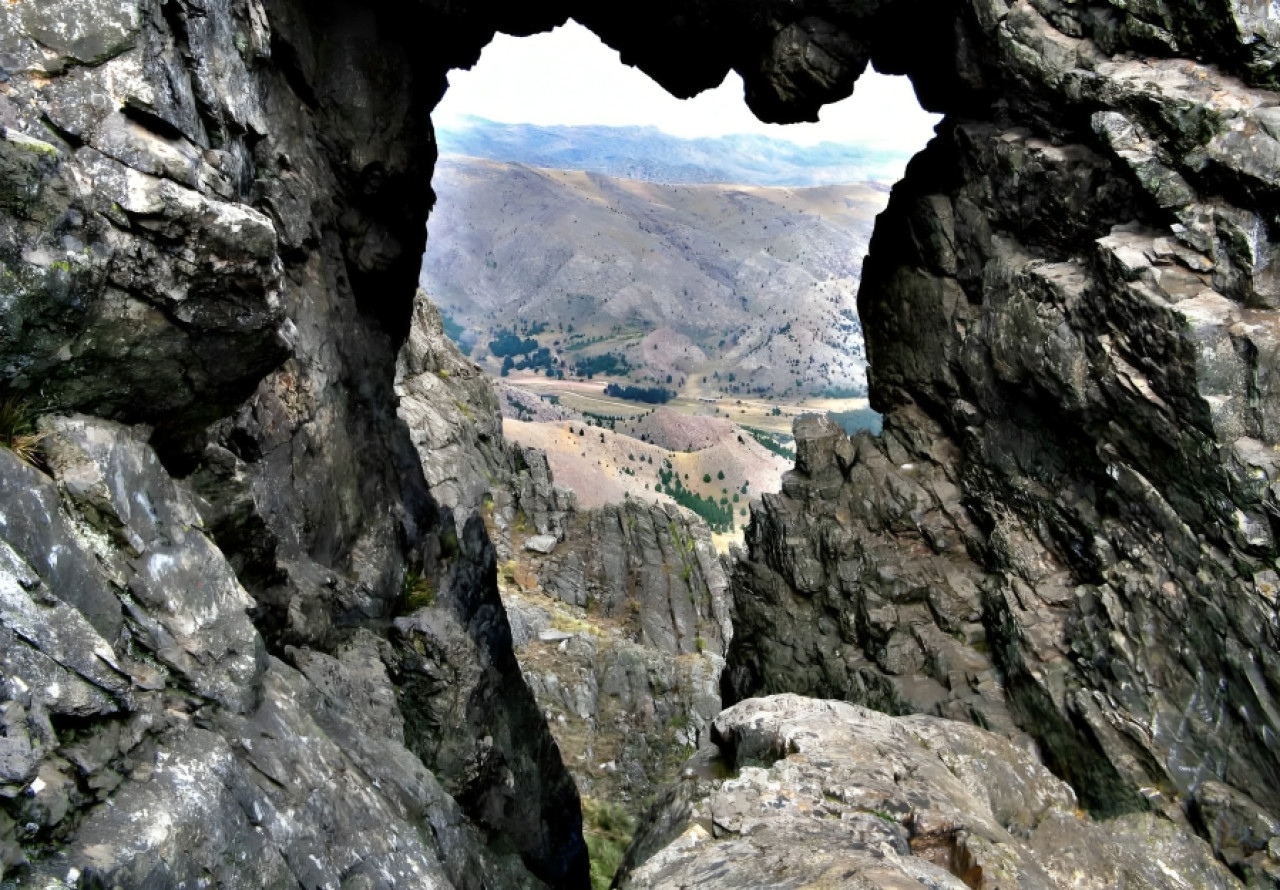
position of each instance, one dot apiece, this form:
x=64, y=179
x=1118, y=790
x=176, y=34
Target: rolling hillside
x=751, y=288
x=605, y=467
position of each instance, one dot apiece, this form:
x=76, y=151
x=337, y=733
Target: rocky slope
x=1069, y=313
x=631, y=673
x=138, y=692
x=619, y=614
x=607, y=467
x=199, y=632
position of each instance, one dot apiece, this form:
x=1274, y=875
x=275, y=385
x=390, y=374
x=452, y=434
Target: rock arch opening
x=657, y=288
x=733, y=291
x=211, y=219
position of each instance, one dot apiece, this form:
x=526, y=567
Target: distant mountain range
x=647, y=153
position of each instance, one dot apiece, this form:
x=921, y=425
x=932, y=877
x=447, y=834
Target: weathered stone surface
x=833, y=603
x=1066, y=529
x=471, y=717
x=625, y=714
x=626, y=667
x=451, y=410
x=543, y=544
x=650, y=565
x=831, y=794
x=211, y=217
x=189, y=604
x=248, y=769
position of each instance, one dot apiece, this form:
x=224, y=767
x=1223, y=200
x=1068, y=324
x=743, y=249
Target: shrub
x=648, y=394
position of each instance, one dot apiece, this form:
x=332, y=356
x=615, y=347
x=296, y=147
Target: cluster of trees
x=717, y=515
x=843, y=392
x=651, y=395
x=771, y=443
x=602, y=420
x=610, y=363
x=509, y=343
x=539, y=358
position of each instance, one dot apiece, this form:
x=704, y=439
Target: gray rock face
x=1067, y=527
x=833, y=605
x=648, y=564
x=180, y=247
x=627, y=670
x=158, y=550
x=168, y=713
x=625, y=715
x=830, y=794
x=451, y=410
x=620, y=631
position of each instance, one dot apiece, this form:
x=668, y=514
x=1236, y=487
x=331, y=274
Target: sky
x=568, y=77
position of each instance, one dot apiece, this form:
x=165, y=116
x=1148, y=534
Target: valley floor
x=607, y=449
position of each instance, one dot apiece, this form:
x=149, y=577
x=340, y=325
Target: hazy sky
x=568, y=76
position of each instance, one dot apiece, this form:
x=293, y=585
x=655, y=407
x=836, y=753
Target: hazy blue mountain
x=646, y=153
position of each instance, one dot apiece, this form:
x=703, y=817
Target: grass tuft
x=608, y=829
x=18, y=431
x=418, y=589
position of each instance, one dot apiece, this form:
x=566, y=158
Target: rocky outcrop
x=451, y=410
x=830, y=794
x=620, y=629
x=625, y=715
x=136, y=688
x=521, y=404
x=619, y=615
x=1066, y=529
x=833, y=603
x=650, y=564
x=453, y=413
x=211, y=218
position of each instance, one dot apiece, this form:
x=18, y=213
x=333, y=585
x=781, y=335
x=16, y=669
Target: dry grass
x=18, y=431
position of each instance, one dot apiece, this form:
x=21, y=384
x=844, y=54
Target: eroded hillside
x=753, y=288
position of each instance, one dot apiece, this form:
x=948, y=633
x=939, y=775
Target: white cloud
x=568, y=77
